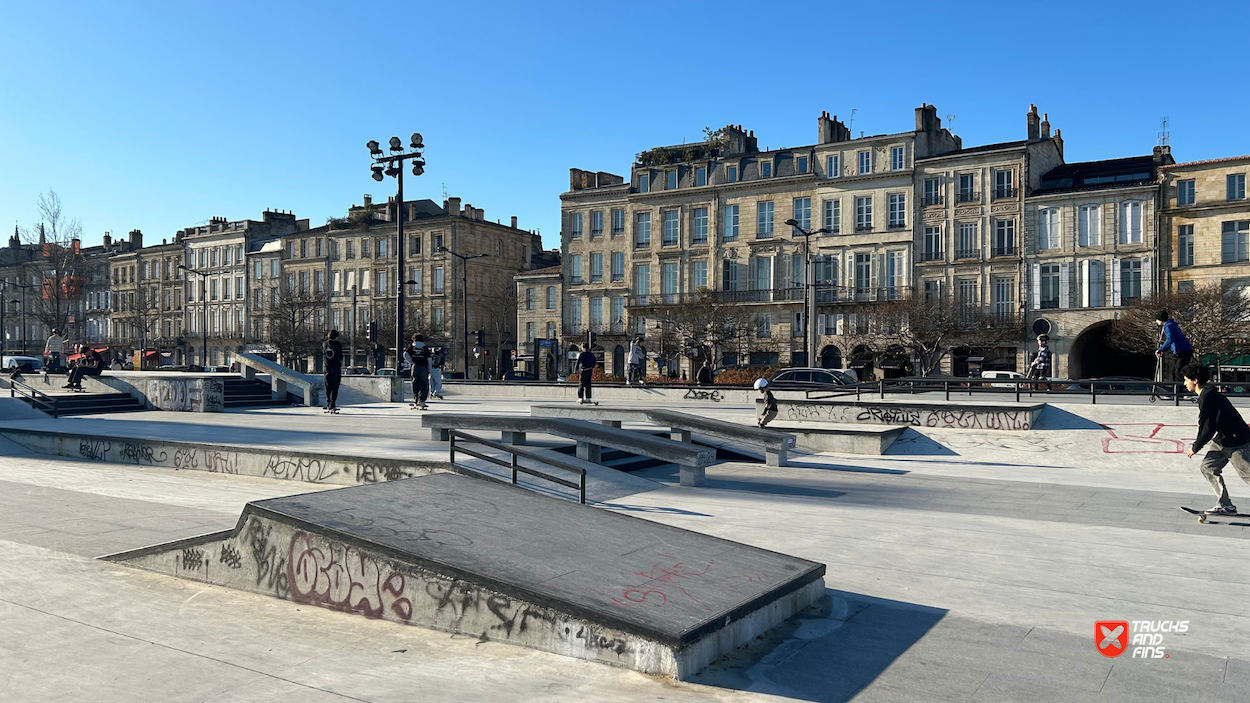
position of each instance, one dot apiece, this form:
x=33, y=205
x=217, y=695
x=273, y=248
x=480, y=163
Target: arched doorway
x=1093, y=356
x=831, y=357
x=618, y=361
x=862, y=362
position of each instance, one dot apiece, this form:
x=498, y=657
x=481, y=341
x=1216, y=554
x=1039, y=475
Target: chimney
x=108, y=241
x=412, y=211
x=1059, y=142
x=368, y=200
x=514, y=222
x=1163, y=155
x=926, y=119
x=1031, y=118
x=481, y=213
x=453, y=207
x=1045, y=125
x=824, y=128
x=136, y=239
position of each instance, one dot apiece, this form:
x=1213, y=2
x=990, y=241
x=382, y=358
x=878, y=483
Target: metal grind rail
x=513, y=465
x=37, y=398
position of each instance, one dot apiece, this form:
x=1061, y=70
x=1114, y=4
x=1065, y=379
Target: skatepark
x=965, y=558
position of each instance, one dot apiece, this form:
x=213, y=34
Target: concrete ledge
x=440, y=551
x=848, y=439
x=389, y=389
x=568, y=391
x=968, y=416
x=267, y=462
x=157, y=390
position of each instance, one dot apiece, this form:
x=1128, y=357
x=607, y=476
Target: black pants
x=334, y=378
x=1182, y=360
x=583, y=383
x=76, y=374
x=420, y=384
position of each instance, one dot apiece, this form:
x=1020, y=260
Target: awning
x=75, y=357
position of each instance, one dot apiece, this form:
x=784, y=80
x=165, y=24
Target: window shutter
x=877, y=263
x=838, y=324
x=1114, y=275
x=752, y=279
x=1065, y=284
x=1147, y=276
x=820, y=324
x=851, y=323
x=1037, y=286
x=1085, y=286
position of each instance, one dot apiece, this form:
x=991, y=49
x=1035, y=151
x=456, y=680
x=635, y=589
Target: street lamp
x=393, y=165
x=203, y=298
x=464, y=293
x=809, y=293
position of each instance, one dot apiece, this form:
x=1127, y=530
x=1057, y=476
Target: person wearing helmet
x=770, y=403
x=1040, y=368
x=1175, y=341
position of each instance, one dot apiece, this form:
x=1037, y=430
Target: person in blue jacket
x=1175, y=341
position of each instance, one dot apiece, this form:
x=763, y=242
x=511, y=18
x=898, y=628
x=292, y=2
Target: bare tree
x=60, y=267
x=141, y=314
x=714, y=324
x=294, y=327
x=931, y=328
x=498, y=307
x=1215, y=318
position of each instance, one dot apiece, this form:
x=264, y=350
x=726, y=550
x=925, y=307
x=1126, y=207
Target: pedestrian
x=418, y=355
x=637, y=359
x=89, y=364
x=705, y=373
x=1175, y=341
x=54, y=348
x=117, y=364
x=438, y=359
x=333, y=353
x=1040, y=368
x=1221, y=424
x=586, y=362
x=770, y=403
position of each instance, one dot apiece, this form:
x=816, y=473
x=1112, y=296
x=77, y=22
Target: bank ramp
x=501, y=563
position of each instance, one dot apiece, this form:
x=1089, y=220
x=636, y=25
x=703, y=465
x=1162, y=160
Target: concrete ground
x=962, y=565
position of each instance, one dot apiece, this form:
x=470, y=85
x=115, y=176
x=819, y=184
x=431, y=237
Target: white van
x=1002, y=374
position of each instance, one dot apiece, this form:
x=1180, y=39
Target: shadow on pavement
x=912, y=442
x=828, y=653
x=1055, y=418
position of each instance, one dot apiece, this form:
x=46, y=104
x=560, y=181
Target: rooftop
x=1091, y=175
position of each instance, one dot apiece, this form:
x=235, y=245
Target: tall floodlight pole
x=809, y=292
x=393, y=165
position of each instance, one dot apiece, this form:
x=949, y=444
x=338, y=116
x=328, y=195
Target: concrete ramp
x=501, y=563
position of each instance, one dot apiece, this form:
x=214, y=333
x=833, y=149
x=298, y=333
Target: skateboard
x=414, y=406
x=589, y=402
x=75, y=390
x=331, y=411
x=1203, y=515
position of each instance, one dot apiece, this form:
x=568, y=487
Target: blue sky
x=161, y=115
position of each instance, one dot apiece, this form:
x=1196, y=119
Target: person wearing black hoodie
x=333, y=353
x=1220, y=424
x=419, y=356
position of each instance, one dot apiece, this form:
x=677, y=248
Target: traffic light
x=481, y=337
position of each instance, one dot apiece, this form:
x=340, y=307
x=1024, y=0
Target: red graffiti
x=673, y=576
x=337, y=576
x=1147, y=438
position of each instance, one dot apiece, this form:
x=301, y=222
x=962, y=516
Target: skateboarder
x=437, y=360
x=770, y=403
x=53, y=349
x=333, y=353
x=704, y=378
x=90, y=364
x=586, y=363
x=418, y=355
x=637, y=358
x=1040, y=368
x=1221, y=424
x=1175, y=341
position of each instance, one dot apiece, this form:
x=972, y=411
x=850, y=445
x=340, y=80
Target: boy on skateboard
x=586, y=362
x=770, y=403
x=1221, y=424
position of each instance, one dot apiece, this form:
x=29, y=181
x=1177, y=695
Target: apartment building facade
x=538, y=320
x=710, y=218
x=1205, y=223
x=144, y=300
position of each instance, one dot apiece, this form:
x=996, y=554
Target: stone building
x=969, y=241
x=1090, y=248
x=145, y=299
x=709, y=217
x=1205, y=223
x=19, y=281
x=538, y=318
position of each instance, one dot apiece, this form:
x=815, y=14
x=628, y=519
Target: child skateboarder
x=1221, y=424
x=770, y=403
x=1175, y=341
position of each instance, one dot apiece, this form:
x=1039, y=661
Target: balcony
x=863, y=228
x=897, y=225
x=933, y=200
x=969, y=196
x=1005, y=193
x=1050, y=304
x=1009, y=250
x=965, y=254
x=927, y=256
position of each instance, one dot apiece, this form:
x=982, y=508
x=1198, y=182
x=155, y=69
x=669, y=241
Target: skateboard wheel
x=1202, y=518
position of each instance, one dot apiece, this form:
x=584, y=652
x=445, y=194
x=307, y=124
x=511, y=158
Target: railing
x=513, y=465
x=863, y=228
x=931, y=256
x=1002, y=193
x=931, y=200
x=1004, y=251
x=897, y=225
x=969, y=196
x=37, y=398
x=1153, y=390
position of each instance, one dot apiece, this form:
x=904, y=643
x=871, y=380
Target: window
x=896, y=158
x=800, y=164
x=436, y=318
x=530, y=302
x=618, y=312
x=1130, y=222
x=1236, y=186
x=700, y=176
x=498, y=247
x=833, y=165
x=213, y=260
x=320, y=282
x=1048, y=228
x=699, y=226
x=1185, y=245
x=731, y=174
x=803, y=212
x=1004, y=238
x=530, y=331
x=575, y=227
x=764, y=325
x=438, y=279
x=644, y=183
x=730, y=232
x=863, y=213
x=1004, y=182
x=863, y=273
x=698, y=275
x=351, y=248
x=596, y=313
x=967, y=187
x=642, y=281
x=671, y=183
x=898, y=210
x=438, y=241
x=932, y=244
x=865, y=162
x=671, y=228
x=895, y=275
x=552, y=292
x=766, y=169
x=382, y=248
x=1049, y=286
x=1185, y=192
x=551, y=330
x=833, y=216
x=1234, y=245
x=967, y=292
x=764, y=219
x=764, y=273
x=1095, y=284
x=618, y=222
x=932, y=290
x=258, y=270
x=596, y=223
x=238, y=288
x=1089, y=226
x=1130, y=280
x=414, y=246
x=575, y=268
x=642, y=230
x=303, y=283
x=1004, y=298
x=618, y=266
x=416, y=278
x=932, y=191
x=669, y=281
x=1184, y=286
x=212, y=289
x=596, y=267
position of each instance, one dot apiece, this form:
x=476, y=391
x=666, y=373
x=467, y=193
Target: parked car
x=802, y=379
x=356, y=371
x=386, y=372
x=207, y=369
x=1120, y=383
x=30, y=364
x=1001, y=374
x=515, y=375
